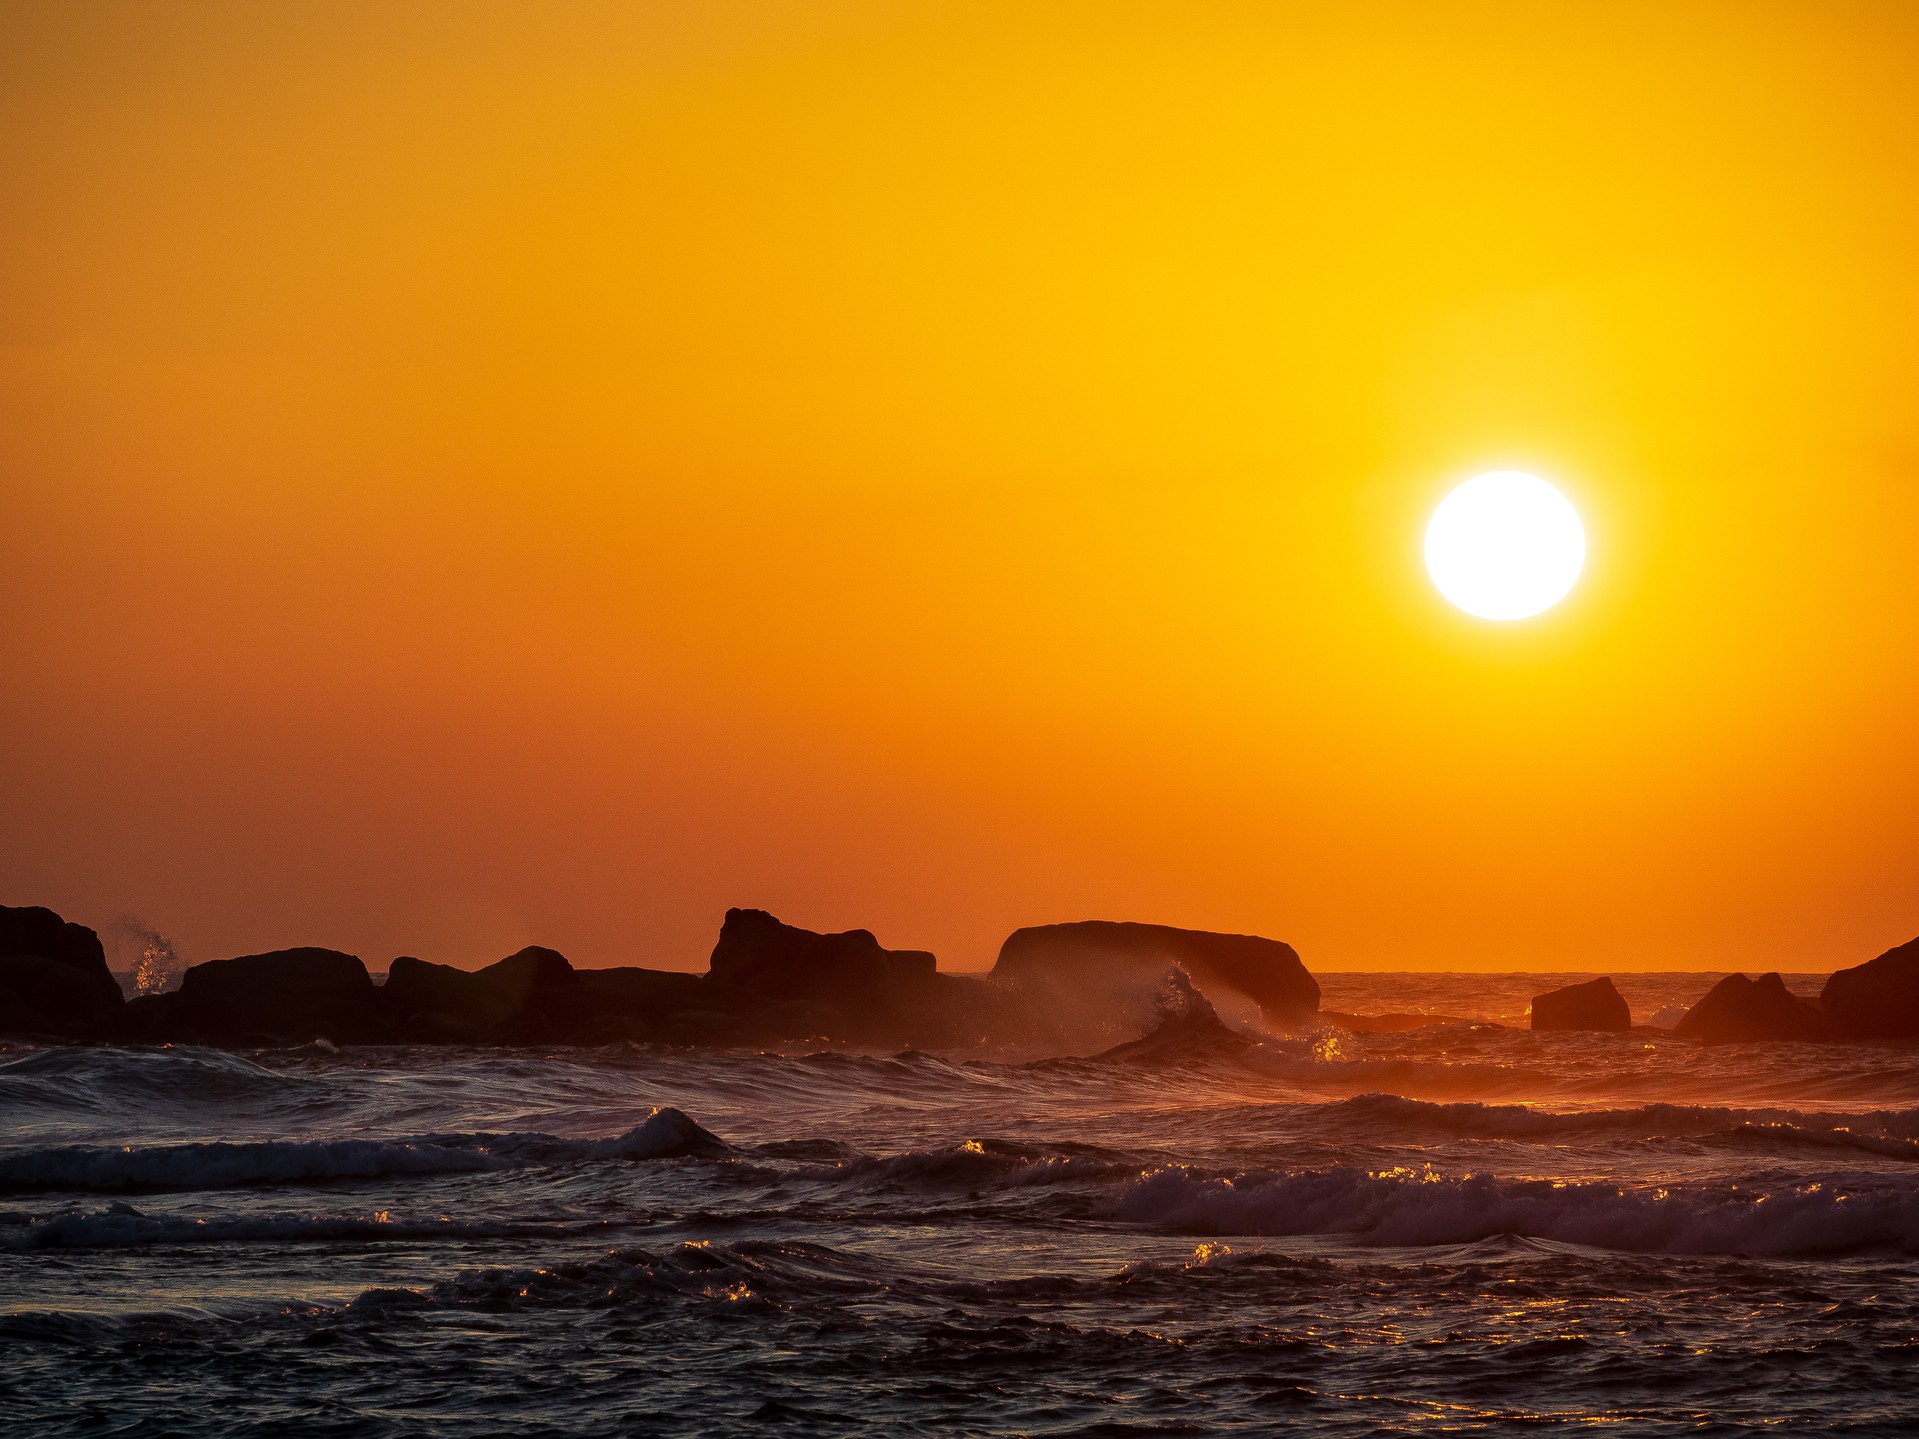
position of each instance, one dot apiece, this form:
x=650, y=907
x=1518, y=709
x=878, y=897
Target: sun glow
x=1505, y=546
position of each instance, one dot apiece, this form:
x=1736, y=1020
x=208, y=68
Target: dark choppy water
x=1453, y=1229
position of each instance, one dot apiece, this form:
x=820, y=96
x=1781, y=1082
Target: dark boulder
x=628, y=990
x=646, y=1003
x=1594, y=1005
x=287, y=994
x=805, y=985
x=757, y=951
x=1738, y=1010
x=1878, y=999
x=439, y=1002
x=530, y=969
x=1089, y=956
x=54, y=977
x=533, y=996
x=605, y=1006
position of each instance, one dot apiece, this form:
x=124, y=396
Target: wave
x=1889, y=1133
x=92, y=1079
x=973, y=1164
x=1420, y=1207
x=750, y=1273
x=665, y=1133
x=121, y=1226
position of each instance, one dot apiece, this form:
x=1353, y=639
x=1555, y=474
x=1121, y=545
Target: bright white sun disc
x=1505, y=545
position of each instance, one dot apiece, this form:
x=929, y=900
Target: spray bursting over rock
x=159, y=967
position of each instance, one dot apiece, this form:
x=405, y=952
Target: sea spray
x=159, y=966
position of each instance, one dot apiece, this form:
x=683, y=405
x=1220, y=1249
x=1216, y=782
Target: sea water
x=1456, y=1228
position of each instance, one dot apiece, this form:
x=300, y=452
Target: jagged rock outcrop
x=1878, y=999
x=759, y=952
x=54, y=977
x=845, y=986
x=1738, y=1010
x=1088, y=956
x=1595, y=1005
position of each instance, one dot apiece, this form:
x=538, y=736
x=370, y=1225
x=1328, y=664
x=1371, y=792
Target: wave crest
x=1420, y=1207
x=665, y=1133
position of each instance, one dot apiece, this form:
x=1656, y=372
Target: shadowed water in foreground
x=1441, y=1230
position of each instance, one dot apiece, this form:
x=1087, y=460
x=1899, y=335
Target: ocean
x=1454, y=1229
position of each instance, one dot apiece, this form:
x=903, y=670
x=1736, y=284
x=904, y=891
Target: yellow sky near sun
x=481, y=473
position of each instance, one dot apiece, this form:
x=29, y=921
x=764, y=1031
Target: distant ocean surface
x=1454, y=1229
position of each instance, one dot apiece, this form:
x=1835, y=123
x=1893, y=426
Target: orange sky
x=481, y=474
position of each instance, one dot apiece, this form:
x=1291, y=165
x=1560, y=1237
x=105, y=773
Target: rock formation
x=54, y=977
x=1594, y=1005
x=768, y=983
x=845, y=985
x=1740, y=1010
x=1079, y=958
x=1878, y=999
x=286, y=994
x=758, y=951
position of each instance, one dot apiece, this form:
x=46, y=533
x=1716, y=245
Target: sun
x=1505, y=546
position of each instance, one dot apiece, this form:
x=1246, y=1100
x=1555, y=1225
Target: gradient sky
x=479, y=474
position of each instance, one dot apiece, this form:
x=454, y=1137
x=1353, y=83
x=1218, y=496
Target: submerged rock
x=1083, y=958
x=54, y=976
x=1739, y=1010
x=1595, y=1005
x=1878, y=999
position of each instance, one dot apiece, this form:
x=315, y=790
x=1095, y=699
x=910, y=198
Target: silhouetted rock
x=288, y=994
x=1740, y=1010
x=759, y=952
x=1085, y=956
x=537, y=997
x=529, y=969
x=1878, y=999
x=1594, y=1005
x=440, y=1002
x=54, y=977
x=647, y=1004
x=843, y=987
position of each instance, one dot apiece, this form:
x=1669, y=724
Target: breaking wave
x=665, y=1133
x=1421, y=1207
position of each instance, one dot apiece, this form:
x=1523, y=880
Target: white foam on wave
x=665, y=1133
x=1422, y=1207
